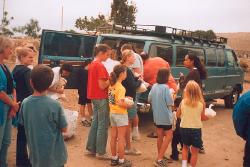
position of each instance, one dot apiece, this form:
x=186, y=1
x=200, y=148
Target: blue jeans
x=98, y=133
x=5, y=137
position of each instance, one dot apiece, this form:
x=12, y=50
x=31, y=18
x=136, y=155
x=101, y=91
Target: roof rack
x=168, y=32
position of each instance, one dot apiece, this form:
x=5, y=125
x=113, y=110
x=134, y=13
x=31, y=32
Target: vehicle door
x=58, y=47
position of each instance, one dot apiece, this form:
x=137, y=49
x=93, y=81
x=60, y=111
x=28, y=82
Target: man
x=241, y=119
x=56, y=88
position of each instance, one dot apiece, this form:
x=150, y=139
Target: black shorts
x=83, y=100
x=191, y=137
x=164, y=127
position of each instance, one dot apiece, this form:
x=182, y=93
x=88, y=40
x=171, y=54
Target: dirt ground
x=223, y=147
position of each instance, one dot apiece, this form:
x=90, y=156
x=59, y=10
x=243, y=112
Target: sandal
x=152, y=135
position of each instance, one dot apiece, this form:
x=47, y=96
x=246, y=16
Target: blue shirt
x=241, y=116
x=160, y=98
x=43, y=119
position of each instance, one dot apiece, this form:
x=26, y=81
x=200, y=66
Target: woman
x=21, y=74
x=197, y=72
x=130, y=84
x=8, y=104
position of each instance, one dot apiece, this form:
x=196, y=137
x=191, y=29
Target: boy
x=44, y=122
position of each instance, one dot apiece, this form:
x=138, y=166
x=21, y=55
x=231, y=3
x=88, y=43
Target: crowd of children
x=41, y=119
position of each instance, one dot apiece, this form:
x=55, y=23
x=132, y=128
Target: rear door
x=58, y=47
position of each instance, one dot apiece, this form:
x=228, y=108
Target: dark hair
x=41, y=77
x=144, y=56
x=162, y=76
x=197, y=63
x=101, y=48
x=117, y=70
x=66, y=67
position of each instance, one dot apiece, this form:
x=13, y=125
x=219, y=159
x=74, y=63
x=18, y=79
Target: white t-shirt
x=109, y=64
x=56, y=79
x=138, y=63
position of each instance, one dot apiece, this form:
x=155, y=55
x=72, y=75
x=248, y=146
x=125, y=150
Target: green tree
x=30, y=29
x=205, y=34
x=5, y=24
x=90, y=24
x=123, y=13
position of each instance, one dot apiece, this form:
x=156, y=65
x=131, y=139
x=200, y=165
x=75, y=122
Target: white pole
x=3, y=11
x=62, y=17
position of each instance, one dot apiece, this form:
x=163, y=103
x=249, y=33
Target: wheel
x=230, y=100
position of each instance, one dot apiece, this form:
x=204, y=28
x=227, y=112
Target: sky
x=218, y=15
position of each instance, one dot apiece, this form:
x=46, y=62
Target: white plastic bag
x=129, y=101
x=143, y=87
x=71, y=118
x=209, y=112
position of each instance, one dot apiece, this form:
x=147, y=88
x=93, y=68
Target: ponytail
x=112, y=78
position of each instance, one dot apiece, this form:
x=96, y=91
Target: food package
x=209, y=112
x=129, y=101
x=71, y=118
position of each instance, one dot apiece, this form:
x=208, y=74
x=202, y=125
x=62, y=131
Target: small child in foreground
x=192, y=112
x=44, y=122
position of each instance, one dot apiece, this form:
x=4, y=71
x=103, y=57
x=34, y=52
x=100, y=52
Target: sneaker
x=126, y=163
x=87, y=152
x=160, y=163
x=86, y=123
x=136, y=137
x=103, y=156
x=202, y=150
x=168, y=160
x=132, y=151
x=114, y=162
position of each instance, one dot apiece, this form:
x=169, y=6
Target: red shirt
x=151, y=68
x=96, y=71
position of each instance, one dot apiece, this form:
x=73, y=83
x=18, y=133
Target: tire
x=230, y=100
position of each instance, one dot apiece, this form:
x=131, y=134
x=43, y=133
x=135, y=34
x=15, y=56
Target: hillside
x=239, y=41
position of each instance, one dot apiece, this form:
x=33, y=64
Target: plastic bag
x=142, y=88
x=71, y=118
x=209, y=112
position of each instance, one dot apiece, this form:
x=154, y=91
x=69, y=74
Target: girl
x=8, y=104
x=192, y=112
x=21, y=74
x=162, y=101
x=131, y=84
x=118, y=115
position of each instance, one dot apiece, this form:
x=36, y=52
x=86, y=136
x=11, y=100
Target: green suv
x=225, y=77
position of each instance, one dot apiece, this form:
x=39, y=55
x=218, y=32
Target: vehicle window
x=221, y=57
x=182, y=52
x=231, y=61
x=61, y=44
x=116, y=44
x=211, y=57
x=163, y=51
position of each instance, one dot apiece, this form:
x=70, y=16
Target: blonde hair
x=125, y=54
x=5, y=43
x=21, y=52
x=192, y=94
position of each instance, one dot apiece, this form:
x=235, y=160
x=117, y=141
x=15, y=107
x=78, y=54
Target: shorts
x=83, y=100
x=132, y=112
x=164, y=127
x=191, y=137
x=118, y=119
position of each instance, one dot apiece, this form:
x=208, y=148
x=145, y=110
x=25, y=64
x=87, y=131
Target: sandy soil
x=223, y=147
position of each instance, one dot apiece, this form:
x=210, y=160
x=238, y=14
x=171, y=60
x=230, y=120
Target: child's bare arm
x=203, y=116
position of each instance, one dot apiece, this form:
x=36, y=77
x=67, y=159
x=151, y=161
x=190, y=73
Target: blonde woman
x=192, y=112
x=8, y=104
x=21, y=75
x=130, y=84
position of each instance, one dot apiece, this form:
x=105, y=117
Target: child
x=83, y=100
x=44, y=122
x=192, y=112
x=162, y=102
x=21, y=75
x=118, y=116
